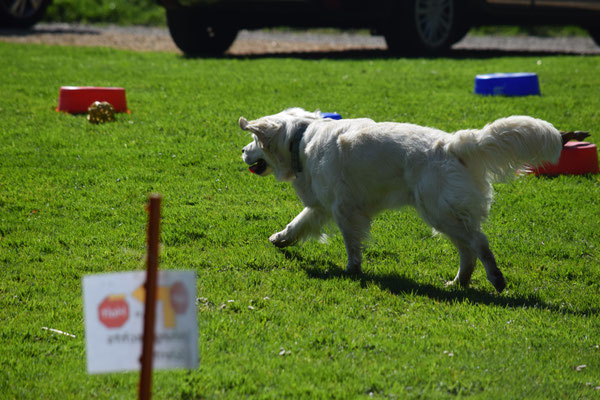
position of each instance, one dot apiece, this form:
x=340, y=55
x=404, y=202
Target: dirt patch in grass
x=281, y=42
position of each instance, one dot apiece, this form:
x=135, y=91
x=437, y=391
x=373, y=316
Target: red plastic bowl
x=577, y=158
x=77, y=99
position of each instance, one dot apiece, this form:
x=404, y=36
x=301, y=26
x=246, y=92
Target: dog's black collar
x=295, y=150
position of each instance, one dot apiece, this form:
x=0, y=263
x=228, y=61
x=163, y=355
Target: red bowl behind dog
x=576, y=158
x=77, y=99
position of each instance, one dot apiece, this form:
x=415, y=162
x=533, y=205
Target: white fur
x=355, y=168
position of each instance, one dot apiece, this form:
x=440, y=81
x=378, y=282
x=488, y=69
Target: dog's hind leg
x=482, y=248
x=307, y=223
x=457, y=210
x=473, y=244
x=468, y=259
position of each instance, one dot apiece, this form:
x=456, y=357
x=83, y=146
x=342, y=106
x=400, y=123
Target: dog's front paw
x=451, y=284
x=457, y=284
x=280, y=240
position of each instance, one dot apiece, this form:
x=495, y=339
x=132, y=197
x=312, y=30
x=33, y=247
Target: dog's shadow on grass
x=401, y=285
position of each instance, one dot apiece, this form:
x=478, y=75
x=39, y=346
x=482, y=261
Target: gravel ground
x=268, y=43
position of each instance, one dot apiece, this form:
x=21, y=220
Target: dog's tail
x=507, y=144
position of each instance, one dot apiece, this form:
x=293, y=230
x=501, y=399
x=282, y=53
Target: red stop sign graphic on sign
x=113, y=312
x=179, y=297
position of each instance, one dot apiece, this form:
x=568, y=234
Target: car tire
x=22, y=14
x=196, y=36
x=425, y=27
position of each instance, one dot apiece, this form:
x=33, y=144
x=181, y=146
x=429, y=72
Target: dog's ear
x=252, y=127
x=263, y=128
x=243, y=123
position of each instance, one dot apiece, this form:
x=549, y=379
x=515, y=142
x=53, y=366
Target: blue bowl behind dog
x=511, y=84
x=331, y=115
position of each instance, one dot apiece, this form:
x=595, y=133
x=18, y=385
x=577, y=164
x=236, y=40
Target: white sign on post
x=114, y=320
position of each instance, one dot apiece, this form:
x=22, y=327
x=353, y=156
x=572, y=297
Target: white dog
x=352, y=169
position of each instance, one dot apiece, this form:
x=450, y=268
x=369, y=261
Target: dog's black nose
x=242, y=151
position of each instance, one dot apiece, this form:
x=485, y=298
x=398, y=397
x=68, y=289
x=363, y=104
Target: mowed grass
x=288, y=323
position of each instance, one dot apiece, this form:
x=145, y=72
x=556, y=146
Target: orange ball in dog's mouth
x=258, y=167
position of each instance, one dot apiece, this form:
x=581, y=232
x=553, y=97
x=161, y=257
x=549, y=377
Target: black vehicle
x=427, y=27
x=22, y=13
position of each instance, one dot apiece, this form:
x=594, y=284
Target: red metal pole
x=145, y=390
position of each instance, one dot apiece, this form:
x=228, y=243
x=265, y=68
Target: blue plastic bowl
x=513, y=84
x=331, y=115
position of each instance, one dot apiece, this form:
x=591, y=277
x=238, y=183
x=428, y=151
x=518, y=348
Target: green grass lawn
x=72, y=199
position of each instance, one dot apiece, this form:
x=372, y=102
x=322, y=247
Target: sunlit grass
x=72, y=199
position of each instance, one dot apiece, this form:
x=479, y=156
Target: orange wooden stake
x=145, y=389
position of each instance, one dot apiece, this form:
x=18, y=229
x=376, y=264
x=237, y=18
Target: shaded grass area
x=121, y=12
x=72, y=199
